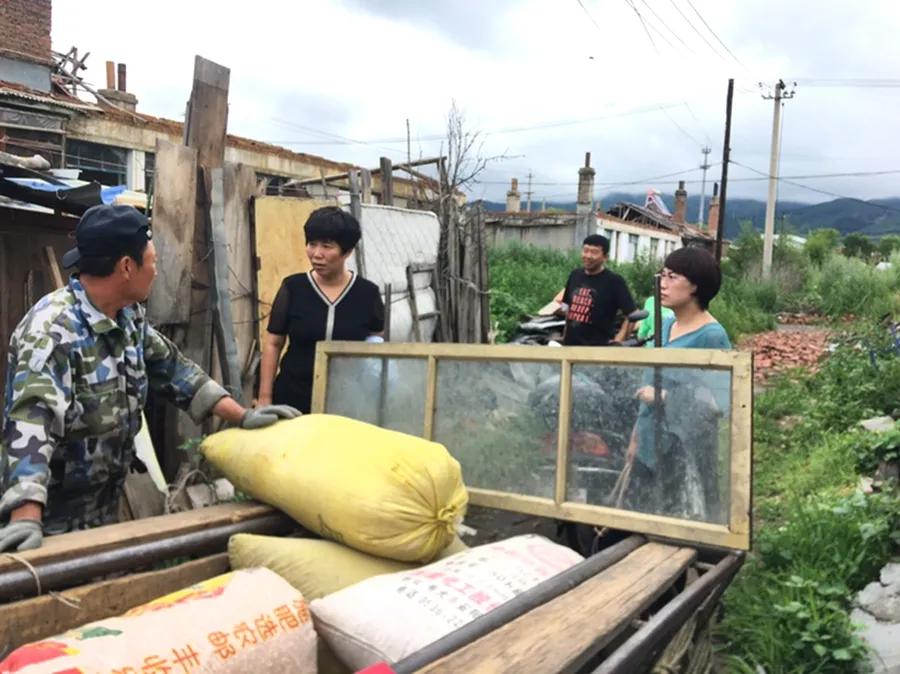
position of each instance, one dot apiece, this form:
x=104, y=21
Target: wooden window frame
x=735, y=534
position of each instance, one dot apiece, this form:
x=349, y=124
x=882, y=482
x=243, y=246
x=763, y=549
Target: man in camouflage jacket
x=80, y=365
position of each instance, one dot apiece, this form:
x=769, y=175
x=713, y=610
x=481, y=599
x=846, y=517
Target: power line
x=825, y=192
x=668, y=27
x=709, y=28
x=631, y=4
x=590, y=16
x=702, y=37
x=681, y=128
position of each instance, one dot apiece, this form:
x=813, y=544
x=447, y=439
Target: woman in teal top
x=682, y=480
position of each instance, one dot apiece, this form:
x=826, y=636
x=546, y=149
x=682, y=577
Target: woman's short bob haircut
x=699, y=267
x=330, y=223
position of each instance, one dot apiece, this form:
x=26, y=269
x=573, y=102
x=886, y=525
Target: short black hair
x=699, y=267
x=331, y=223
x=104, y=266
x=597, y=240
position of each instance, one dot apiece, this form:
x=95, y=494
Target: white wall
x=622, y=247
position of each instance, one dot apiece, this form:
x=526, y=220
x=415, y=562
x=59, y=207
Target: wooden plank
x=708, y=359
x=583, y=620
x=562, y=441
x=741, y=453
x=430, y=397
x=55, y=274
x=78, y=543
x=35, y=619
x=207, y=117
x=280, y=246
x=143, y=497
x=387, y=182
x=320, y=380
x=240, y=186
x=653, y=525
x=220, y=289
x=204, y=130
x=174, y=190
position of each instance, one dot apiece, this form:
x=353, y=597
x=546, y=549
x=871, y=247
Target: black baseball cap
x=106, y=231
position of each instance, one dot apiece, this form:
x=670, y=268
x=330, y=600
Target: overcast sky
x=544, y=80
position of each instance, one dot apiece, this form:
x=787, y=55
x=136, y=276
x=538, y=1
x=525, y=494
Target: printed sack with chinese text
x=387, y=618
x=382, y=492
x=246, y=621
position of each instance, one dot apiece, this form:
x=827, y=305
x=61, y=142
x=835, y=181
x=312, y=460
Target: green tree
x=858, y=245
x=888, y=245
x=745, y=254
x=820, y=243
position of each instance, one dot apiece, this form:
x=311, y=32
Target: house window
x=654, y=248
x=104, y=164
x=632, y=247
x=149, y=171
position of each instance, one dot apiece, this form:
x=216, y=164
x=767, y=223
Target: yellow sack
x=386, y=493
x=314, y=566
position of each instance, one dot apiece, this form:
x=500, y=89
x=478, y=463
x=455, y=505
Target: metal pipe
x=70, y=572
x=638, y=652
x=518, y=606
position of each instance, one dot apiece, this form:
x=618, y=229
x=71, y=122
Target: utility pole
x=769, y=232
x=705, y=167
x=726, y=158
x=528, y=195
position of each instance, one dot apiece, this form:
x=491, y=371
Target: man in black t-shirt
x=594, y=295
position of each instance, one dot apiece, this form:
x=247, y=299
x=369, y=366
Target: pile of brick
x=778, y=351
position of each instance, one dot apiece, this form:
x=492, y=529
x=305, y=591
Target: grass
x=818, y=539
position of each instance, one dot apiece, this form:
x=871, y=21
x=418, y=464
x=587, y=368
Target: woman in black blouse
x=329, y=302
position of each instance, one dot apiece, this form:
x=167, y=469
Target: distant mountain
x=874, y=218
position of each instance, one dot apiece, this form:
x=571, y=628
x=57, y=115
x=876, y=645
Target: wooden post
x=356, y=212
x=55, y=274
x=204, y=130
x=388, y=292
x=387, y=182
x=219, y=288
x=366, y=187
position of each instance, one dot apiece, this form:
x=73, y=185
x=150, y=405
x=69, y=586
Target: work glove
x=21, y=535
x=267, y=415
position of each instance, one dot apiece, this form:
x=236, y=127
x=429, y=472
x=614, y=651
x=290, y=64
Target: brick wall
x=25, y=29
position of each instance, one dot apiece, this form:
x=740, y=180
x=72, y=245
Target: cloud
x=545, y=80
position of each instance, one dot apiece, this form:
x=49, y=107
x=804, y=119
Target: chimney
x=680, y=204
x=712, y=213
x=116, y=91
x=25, y=54
x=585, y=186
x=513, y=198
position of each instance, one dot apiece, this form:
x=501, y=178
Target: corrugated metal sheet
x=48, y=100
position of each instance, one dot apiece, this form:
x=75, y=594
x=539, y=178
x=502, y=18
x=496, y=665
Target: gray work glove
x=21, y=535
x=267, y=415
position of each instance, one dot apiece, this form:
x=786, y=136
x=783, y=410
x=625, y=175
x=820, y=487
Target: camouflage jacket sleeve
x=178, y=378
x=39, y=392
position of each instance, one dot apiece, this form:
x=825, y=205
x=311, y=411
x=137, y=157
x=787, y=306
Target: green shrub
x=523, y=279
x=870, y=449
x=850, y=286
x=785, y=624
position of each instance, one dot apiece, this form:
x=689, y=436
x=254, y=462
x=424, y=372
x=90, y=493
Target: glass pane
x=682, y=446
x=500, y=419
x=387, y=392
